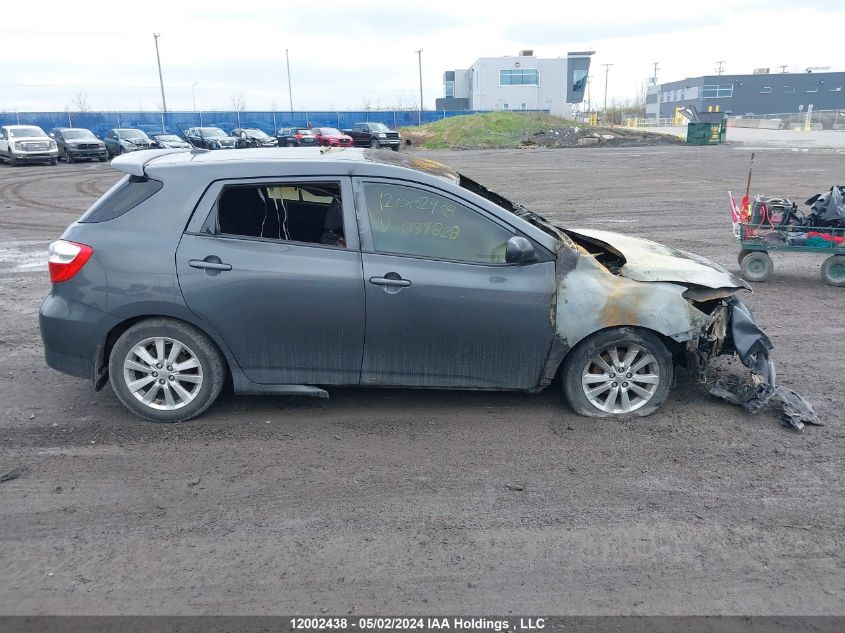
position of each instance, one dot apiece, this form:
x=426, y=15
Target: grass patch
x=481, y=131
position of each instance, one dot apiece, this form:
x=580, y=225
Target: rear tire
x=833, y=270
x=291, y=144
x=594, y=386
x=161, y=382
x=756, y=266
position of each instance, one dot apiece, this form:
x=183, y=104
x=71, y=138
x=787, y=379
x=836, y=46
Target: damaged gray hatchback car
x=286, y=271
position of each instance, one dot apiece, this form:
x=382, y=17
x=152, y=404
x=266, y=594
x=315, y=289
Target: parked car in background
x=210, y=138
x=283, y=272
x=121, y=140
x=27, y=144
x=253, y=137
x=296, y=137
x=332, y=137
x=374, y=135
x=170, y=141
x=79, y=144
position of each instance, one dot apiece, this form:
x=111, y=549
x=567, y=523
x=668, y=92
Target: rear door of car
x=291, y=311
x=443, y=309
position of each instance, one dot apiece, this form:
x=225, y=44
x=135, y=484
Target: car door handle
x=387, y=281
x=201, y=263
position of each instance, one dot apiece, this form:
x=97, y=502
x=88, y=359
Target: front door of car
x=260, y=266
x=444, y=309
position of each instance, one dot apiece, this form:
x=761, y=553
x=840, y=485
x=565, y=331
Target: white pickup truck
x=25, y=144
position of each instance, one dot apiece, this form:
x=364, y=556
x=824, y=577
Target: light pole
x=194, y=95
x=290, y=92
x=160, y=79
x=721, y=67
x=606, y=72
x=419, y=60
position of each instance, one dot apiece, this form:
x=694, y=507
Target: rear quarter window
x=127, y=194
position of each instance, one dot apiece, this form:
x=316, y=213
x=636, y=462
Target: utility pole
x=783, y=67
x=290, y=92
x=654, y=77
x=419, y=59
x=606, y=72
x=160, y=79
x=194, y=93
x=721, y=67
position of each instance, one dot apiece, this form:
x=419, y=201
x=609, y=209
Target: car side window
x=410, y=221
x=294, y=212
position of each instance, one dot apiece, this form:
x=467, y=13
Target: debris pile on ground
x=580, y=136
x=753, y=348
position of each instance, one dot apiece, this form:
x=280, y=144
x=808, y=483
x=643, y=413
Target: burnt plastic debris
x=753, y=348
x=828, y=209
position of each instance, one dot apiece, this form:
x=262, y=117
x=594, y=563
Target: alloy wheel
x=620, y=378
x=162, y=373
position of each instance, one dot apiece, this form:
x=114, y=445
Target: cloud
x=569, y=33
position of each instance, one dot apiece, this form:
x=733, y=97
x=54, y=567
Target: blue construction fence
x=269, y=122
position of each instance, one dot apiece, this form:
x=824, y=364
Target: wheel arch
x=676, y=349
x=103, y=352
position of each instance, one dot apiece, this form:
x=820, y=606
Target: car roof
x=266, y=162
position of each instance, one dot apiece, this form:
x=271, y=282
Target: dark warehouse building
x=755, y=94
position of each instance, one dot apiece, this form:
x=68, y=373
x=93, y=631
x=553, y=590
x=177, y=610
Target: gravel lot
x=395, y=501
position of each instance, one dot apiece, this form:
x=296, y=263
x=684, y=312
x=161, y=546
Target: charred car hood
x=649, y=261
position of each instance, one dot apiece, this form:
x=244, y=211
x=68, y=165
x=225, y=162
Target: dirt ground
x=396, y=501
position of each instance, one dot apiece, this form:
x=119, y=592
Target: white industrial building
x=523, y=82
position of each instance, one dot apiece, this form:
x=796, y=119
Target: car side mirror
x=519, y=250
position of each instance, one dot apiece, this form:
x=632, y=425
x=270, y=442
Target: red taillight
x=297, y=136
x=66, y=259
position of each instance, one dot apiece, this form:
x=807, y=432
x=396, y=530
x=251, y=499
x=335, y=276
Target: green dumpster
x=705, y=133
x=709, y=129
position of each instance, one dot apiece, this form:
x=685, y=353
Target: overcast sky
x=349, y=54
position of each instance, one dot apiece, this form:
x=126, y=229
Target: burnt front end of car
x=607, y=280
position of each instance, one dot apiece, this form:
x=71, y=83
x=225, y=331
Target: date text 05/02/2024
x=417, y=623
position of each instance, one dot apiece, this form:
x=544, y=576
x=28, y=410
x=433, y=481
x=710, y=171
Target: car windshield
x=256, y=133
x=130, y=134
x=69, y=134
x=329, y=131
x=21, y=132
x=211, y=132
x=168, y=137
x=379, y=127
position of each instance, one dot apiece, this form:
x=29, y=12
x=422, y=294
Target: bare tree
x=238, y=102
x=79, y=103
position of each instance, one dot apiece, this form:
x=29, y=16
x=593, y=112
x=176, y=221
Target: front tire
x=68, y=158
x=165, y=370
x=375, y=144
x=617, y=372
